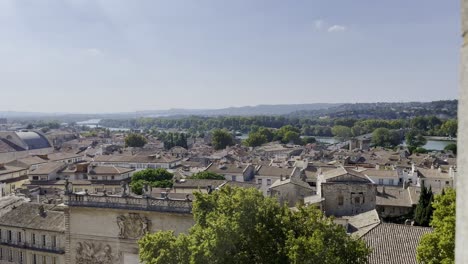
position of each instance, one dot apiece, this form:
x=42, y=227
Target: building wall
x=437, y=184
x=392, y=211
x=291, y=194
x=10, y=156
x=23, y=248
x=384, y=180
x=99, y=229
x=341, y=198
x=265, y=182
x=461, y=254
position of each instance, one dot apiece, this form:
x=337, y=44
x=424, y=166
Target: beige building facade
x=105, y=229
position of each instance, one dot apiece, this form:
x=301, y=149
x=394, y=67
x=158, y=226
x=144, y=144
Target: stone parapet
x=166, y=204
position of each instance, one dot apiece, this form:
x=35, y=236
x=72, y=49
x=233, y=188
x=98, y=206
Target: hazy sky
x=107, y=56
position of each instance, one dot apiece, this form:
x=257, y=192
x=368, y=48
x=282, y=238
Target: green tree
x=255, y=139
x=291, y=137
x=423, y=211
x=135, y=140
x=207, y=175
x=450, y=127
x=238, y=225
x=160, y=178
x=221, y=139
x=451, y=147
x=415, y=138
x=342, y=132
x=308, y=140
x=267, y=133
x=385, y=137
x=439, y=246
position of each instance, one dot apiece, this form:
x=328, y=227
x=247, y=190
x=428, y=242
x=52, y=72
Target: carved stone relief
x=95, y=253
x=132, y=225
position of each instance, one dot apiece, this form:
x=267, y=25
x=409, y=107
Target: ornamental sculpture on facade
x=91, y=253
x=132, y=225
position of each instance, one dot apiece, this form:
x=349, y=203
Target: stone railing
x=169, y=205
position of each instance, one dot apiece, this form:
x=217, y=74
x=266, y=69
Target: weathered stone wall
x=105, y=236
x=462, y=179
x=350, y=192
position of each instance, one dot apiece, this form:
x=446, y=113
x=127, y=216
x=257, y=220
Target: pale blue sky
x=122, y=55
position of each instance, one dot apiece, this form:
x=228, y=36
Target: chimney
x=281, y=177
x=383, y=189
x=41, y=210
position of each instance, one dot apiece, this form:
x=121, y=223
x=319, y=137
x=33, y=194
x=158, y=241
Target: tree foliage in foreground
x=235, y=225
x=439, y=246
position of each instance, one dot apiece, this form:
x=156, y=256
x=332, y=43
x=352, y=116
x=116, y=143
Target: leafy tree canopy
x=135, y=140
x=384, y=137
x=238, y=225
x=439, y=246
x=415, y=138
x=207, y=175
x=451, y=147
x=342, y=132
x=160, y=178
x=221, y=139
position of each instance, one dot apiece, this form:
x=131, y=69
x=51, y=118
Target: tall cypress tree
x=424, y=210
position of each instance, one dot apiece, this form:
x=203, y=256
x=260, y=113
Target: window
x=268, y=181
x=54, y=241
x=35, y=178
x=21, y=257
x=357, y=200
x=44, y=260
x=19, y=237
x=10, y=255
x=391, y=181
x=34, y=259
x=234, y=178
x=381, y=181
x=112, y=177
x=1, y=235
x=340, y=200
x=33, y=238
x=43, y=240
x=1, y=253
x=259, y=181
x=9, y=235
x=447, y=182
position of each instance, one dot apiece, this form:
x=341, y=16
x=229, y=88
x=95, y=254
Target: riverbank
x=441, y=138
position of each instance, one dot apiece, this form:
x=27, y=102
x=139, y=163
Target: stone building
x=33, y=234
x=105, y=229
x=291, y=191
x=345, y=192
